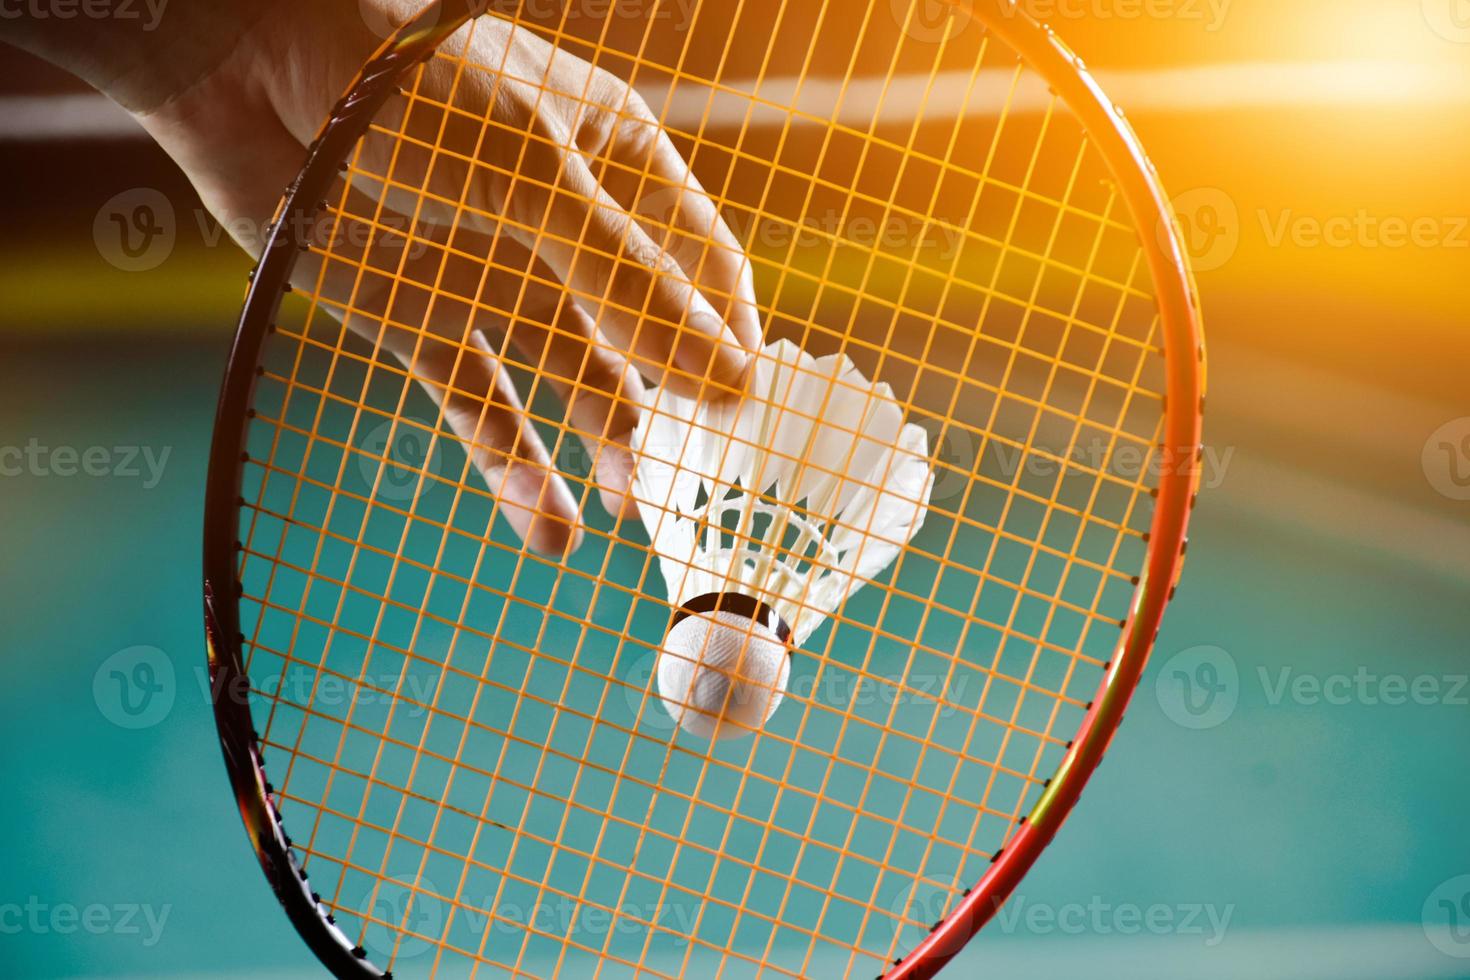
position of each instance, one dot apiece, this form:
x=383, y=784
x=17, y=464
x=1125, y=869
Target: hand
x=608, y=264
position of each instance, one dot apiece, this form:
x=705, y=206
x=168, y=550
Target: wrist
x=239, y=123
x=139, y=55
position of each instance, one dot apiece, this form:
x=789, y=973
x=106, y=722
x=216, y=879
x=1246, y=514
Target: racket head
x=920, y=944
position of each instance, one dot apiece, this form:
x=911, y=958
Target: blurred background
x=1304, y=817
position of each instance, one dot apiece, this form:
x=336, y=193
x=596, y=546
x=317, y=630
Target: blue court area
x=1286, y=798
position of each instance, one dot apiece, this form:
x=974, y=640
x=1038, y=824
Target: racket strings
x=974, y=430
x=858, y=676
x=1010, y=81
x=358, y=685
x=838, y=617
x=369, y=688
x=944, y=554
x=955, y=426
x=898, y=360
x=753, y=216
x=788, y=889
x=429, y=473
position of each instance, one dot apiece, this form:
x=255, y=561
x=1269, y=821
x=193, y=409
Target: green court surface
x=1286, y=798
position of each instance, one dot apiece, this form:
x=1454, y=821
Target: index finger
x=635, y=292
x=679, y=214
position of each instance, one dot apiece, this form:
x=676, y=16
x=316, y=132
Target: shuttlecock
x=766, y=512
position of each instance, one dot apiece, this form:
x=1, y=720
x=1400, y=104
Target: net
x=464, y=735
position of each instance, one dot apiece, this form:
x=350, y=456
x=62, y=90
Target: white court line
x=1211, y=88
x=43, y=118
x=1365, y=952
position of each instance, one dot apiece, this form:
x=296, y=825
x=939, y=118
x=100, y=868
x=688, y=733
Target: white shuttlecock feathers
x=783, y=501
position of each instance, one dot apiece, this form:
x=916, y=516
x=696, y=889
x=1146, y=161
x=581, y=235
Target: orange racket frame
x=1180, y=452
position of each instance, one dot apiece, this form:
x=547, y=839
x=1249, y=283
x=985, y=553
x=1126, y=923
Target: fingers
x=679, y=215
x=601, y=390
x=681, y=301
x=637, y=295
x=421, y=306
x=482, y=408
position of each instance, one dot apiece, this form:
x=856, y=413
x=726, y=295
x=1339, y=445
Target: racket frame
x=1181, y=449
x=286, y=238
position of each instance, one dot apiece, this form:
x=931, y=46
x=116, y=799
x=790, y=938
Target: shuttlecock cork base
x=724, y=664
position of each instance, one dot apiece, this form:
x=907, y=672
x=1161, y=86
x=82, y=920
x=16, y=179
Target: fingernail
x=540, y=509
x=614, y=473
x=728, y=360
